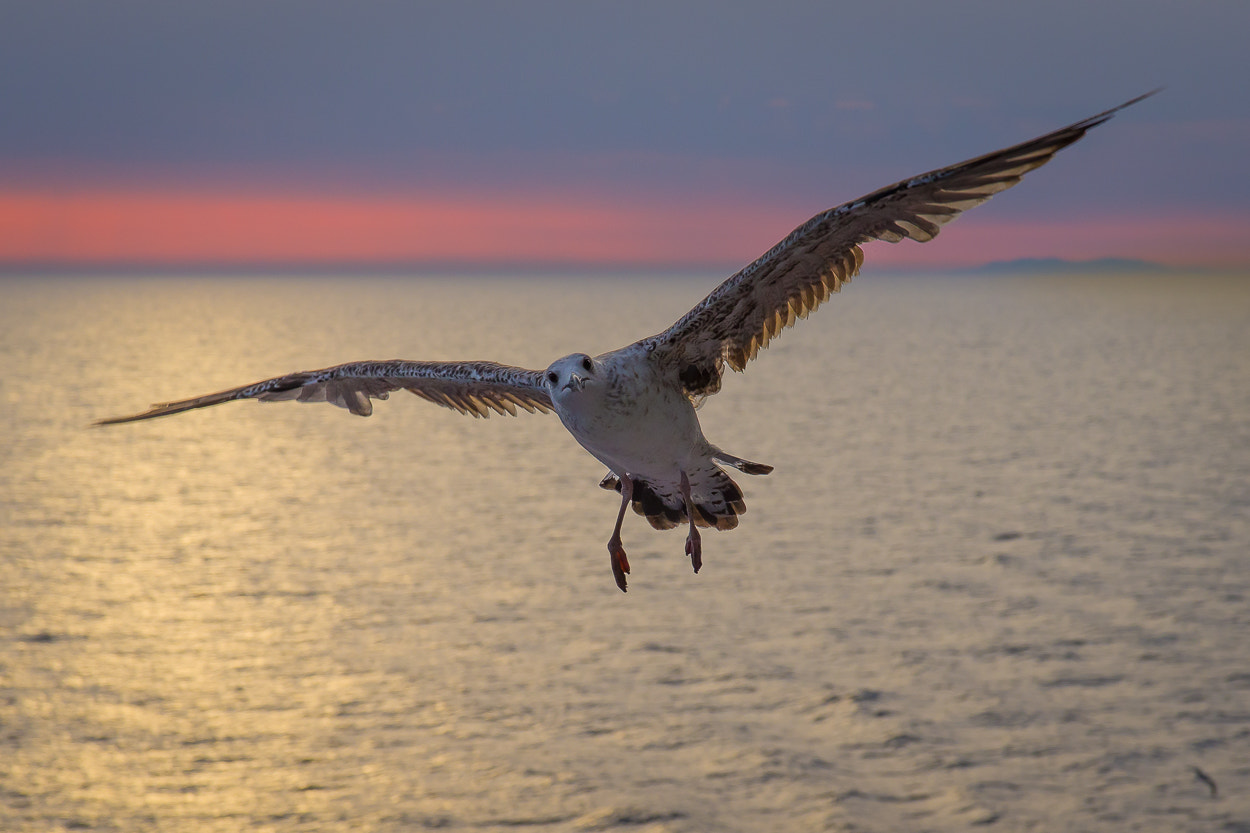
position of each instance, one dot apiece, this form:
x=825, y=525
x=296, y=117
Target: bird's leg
x=693, y=548
x=616, y=552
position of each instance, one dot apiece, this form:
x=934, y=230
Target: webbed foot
x=694, y=549
x=620, y=564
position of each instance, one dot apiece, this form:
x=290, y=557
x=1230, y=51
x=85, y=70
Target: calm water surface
x=999, y=579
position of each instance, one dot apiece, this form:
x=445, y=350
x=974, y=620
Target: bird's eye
x=586, y=364
x=552, y=377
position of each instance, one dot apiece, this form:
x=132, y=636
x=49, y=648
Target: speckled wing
x=733, y=323
x=475, y=388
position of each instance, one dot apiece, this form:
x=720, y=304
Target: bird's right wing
x=741, y=315
x=475, y=388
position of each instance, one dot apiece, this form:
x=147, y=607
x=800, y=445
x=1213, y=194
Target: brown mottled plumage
x=797, y=275
x=475, y=388
x=633, y=408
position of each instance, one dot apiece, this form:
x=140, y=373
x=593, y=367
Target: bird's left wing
x=741, y=315
x=475, y=388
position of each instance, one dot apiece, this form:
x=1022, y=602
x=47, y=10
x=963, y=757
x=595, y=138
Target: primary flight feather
x=634, y=408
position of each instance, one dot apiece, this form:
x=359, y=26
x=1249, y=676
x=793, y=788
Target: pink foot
x=694, y=549
x=620, y=564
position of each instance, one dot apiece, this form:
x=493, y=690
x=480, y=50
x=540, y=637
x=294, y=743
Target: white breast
x=634, y=422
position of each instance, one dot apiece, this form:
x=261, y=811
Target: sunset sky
x=654, y=134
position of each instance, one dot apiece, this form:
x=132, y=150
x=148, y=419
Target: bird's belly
x=654, y=436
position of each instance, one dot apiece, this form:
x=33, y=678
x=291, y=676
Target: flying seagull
x=634, y=408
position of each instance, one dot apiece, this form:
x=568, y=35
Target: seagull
x=634, y=409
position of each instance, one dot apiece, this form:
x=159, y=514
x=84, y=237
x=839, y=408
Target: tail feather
x=717, y=500
x=744, y=466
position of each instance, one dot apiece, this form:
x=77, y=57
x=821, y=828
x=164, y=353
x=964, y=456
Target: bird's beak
x=575, y=381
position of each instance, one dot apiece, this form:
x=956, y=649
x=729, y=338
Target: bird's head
x=570, y=375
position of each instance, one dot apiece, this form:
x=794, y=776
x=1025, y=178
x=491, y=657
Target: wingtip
x=1094, y=121
x=1139, y=98
x=159, y=409
x=100, y=423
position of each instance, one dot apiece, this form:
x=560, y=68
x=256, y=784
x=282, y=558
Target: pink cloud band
x=170, y=228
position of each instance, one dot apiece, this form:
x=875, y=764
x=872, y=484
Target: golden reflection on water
x=997, y=574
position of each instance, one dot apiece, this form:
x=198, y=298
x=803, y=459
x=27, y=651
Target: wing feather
x=477, y=388
x=739, y=318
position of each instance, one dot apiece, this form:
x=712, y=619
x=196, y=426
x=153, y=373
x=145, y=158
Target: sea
x=999, y=579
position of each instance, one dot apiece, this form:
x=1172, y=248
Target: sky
x=620, y=134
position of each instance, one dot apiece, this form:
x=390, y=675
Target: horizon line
x=534, y=267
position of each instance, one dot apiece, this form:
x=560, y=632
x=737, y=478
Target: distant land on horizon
x=1052, y=265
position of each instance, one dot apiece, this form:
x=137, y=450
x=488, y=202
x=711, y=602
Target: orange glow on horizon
x=159, y=228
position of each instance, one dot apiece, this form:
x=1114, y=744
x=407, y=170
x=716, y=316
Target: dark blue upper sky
x=796, y=103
